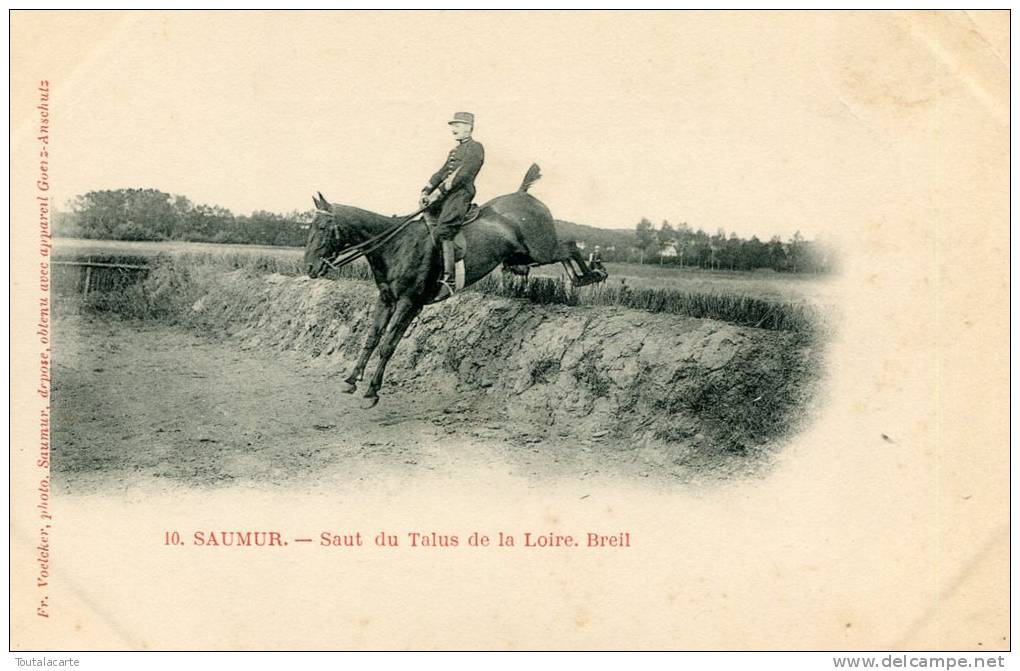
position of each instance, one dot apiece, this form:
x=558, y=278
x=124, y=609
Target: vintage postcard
x=488, y=330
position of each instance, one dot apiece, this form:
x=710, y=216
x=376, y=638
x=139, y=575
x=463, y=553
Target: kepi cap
x=463, y=117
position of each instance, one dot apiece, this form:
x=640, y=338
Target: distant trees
x=647, y=240
x=149, y=214
x=665, y=234
x=135, y=214
x=685, y=247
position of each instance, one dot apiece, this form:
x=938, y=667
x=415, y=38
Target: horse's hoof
x=370, y=401
x=349, y=388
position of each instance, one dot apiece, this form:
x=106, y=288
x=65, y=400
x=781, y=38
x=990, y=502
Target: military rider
x=449, y=192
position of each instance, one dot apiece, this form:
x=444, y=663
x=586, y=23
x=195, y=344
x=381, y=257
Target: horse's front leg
x=383, y=313
x=405, y=312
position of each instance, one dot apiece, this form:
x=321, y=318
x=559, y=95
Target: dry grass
x=764, y=284
x=747, y=299
x=734, y=308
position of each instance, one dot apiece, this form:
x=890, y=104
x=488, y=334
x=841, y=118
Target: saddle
x=460, y=244
x=459, y=252
x=459, y=241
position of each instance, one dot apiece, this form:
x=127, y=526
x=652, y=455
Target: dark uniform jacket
x=463, y=162
x=457, y=180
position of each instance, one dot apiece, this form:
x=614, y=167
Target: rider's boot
x=449, y=281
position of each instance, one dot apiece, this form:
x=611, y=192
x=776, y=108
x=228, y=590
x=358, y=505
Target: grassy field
x=759, y=299
x=765, y=284
x=77, y=247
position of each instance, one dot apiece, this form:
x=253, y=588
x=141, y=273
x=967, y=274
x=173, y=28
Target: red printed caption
x=385, y=539
x=42, y=461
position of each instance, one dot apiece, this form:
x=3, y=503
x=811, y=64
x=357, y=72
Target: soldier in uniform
x=449, y=192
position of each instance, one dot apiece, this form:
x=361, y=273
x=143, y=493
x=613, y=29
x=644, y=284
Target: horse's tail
x=533, y=175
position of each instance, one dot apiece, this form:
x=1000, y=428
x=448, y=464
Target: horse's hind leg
x=383, y=313
x=570, y=256
x=405, y=312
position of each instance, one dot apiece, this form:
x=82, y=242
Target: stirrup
x=445, y=290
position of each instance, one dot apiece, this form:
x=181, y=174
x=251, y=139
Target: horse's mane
x=349, y=212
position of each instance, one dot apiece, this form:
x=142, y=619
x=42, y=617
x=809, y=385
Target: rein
x=365, y=247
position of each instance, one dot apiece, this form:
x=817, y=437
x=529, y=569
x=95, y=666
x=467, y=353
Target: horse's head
x=324, y=238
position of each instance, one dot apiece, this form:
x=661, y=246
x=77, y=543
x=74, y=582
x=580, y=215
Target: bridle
x=334, y=232
x=354, y=252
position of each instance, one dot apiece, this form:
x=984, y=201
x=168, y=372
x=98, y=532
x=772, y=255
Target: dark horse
x=515, y=230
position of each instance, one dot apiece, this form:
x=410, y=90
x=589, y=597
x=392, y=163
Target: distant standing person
x=449, y=192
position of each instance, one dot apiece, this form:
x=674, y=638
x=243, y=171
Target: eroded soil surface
x=144, y=403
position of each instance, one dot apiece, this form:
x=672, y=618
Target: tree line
x=683, y=246
x=150, y=214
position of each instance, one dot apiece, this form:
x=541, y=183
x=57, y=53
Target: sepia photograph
x=490, y=330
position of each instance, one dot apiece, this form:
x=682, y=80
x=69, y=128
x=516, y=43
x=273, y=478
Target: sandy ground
x=139, y=403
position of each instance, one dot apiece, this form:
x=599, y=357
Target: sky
x=738, y=121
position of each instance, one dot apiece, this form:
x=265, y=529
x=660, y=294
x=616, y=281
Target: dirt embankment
x=684, y=391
